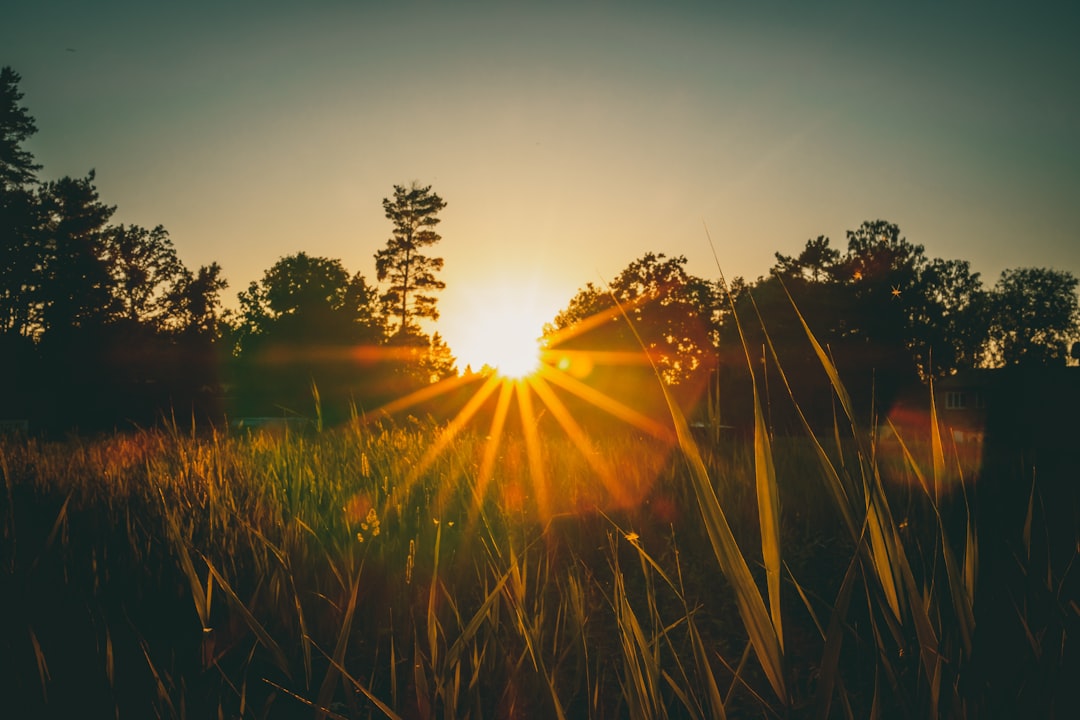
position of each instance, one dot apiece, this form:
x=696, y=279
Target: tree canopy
x=304, y=298
x=655, y=299
x=1034, y=316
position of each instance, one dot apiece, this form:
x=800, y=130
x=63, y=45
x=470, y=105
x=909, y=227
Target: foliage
x=411, y=274
x=17, y=208
x=195, y=300
x=949, y=314
x=302, y=297
x=18, y=262
x=75, y=285
x=302, y=324
x=17, y=166
x=144, y=269
x=674, y=313
x=1035, y=314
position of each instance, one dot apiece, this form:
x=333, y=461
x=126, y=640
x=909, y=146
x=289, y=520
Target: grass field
x=355, y=573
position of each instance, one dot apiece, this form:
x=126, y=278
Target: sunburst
x=559, y=374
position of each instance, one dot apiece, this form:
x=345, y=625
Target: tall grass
x=349, y=573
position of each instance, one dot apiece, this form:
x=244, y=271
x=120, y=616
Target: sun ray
x=532, y=448
x=457, y=424
x=424, y=394
x=560, y=336
x=558, y=357
x=491, y=449
x=444, y=439
x=578, y=436
x=558, y=371
x=608, y=404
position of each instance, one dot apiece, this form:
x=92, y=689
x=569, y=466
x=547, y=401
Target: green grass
x=352, y=572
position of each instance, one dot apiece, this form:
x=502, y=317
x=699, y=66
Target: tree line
x=891, y=317
x=101, y=324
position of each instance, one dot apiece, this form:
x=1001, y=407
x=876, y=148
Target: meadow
x=351, y=573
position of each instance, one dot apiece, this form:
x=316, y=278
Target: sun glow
x=514, y=358
x=522, y=415
x=502, y=334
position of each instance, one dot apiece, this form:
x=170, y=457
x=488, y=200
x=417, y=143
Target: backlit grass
x=354, y=572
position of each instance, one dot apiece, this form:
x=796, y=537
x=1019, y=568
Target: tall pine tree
x=411, y=274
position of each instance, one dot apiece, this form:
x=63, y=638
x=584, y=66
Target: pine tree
x=411, y=274
x=17, y=166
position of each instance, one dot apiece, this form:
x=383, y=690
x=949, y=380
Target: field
x=355, y=573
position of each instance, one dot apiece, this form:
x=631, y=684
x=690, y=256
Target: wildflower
x=371, y=523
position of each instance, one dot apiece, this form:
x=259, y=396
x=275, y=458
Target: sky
x=567, y=138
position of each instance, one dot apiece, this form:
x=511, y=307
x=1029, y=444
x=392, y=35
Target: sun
x=515, y=358
x=501, y=329
x=504, y=340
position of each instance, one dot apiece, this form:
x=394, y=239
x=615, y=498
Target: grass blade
x=834, y=637
x=276, y=653
x=748, y=599
x=326, y=690
x=768, y=501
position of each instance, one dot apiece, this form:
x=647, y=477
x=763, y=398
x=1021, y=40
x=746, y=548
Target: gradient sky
x=568, y=138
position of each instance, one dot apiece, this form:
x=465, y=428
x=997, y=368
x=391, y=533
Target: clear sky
x=568, y=138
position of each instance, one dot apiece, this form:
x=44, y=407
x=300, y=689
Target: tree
x=144, y=269
x=306, y=322
x=1034, y=313
x=888, y=314
x=440, y=363
x=17, y=166
x=18, y=211
x=303, y=298
x=673, y=312
x=75, y=285
x=949, y=320
x=19, y=262
x=411, y=274
x=816, y=263
x=195, y=301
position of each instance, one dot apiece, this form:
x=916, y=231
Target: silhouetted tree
x=17, y=166
x=307, y=321
x=440, y=363
x=195, y=301
x=654, y=325
x=310, y=298
x=881, y=269
x=888, y=314
x=98, y=324
x=144, y=269
x=673, y=312
x=18, y=210
x=949, y=320
x=411, y=274
x=816, y=263
x=75, y=288
x=1034, y=315
x=19, y=254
